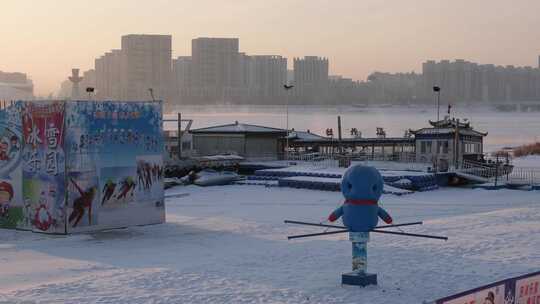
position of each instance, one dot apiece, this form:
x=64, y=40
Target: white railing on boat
x=523, y=176
x=396, y=161
x=516, y=176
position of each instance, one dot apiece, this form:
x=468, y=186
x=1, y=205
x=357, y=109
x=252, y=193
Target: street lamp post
x=437, y=90
x=89, y=90
x=287, y=88
x=287, y=128
x=152, y=94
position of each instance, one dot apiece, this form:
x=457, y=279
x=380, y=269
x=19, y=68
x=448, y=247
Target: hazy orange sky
x=46, y=38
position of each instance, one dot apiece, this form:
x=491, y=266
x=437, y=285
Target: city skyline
x=358, y=38
x=218, y=72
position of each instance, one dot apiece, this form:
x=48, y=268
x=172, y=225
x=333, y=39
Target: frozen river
x=505, y=129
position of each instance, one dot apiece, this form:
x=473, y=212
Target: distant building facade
x=148, y=65
x=217, y=72
x=15, y=86
x=216, y=68
x=345, y=91
x=110, y=75
x=249, y=141
x=182, y=77
x=386, y=88
x=89, y=79
x=144, y=62
x=464, y=81
x=311, y=79
x=266, y=76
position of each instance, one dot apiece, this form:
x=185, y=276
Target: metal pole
x=315, y=234
x=412, y=234
x=340, y=149
x=343, y=227
x=287, y=127
x=332, y=148
x=287, y=89
x=314, y=224
x=456, y=146
x=438, y=103
x=496, y=169
x=374, y=230
x=152, y=94
x=179, y=136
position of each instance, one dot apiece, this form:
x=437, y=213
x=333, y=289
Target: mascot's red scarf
x=362, y=202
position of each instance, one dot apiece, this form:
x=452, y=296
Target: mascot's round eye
x=350, y=185
x=374, y=188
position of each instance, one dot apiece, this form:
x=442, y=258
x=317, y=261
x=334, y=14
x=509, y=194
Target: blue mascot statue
x=362, y=187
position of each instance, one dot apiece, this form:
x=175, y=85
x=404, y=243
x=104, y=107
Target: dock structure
x=447, y=144
x=379, y=148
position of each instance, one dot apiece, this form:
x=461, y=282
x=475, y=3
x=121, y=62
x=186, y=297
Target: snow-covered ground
x=228, y=244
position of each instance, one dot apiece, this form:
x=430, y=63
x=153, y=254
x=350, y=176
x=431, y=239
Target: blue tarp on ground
x=418, y=182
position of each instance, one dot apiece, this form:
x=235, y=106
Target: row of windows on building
x=442, y=147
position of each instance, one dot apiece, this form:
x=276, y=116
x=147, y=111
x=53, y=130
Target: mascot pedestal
x=359, y=275
x=362, y=187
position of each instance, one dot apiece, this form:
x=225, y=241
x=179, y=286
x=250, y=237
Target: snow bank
x=529, y=161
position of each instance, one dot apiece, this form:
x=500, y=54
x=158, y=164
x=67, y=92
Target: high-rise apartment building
x=463, y=81
x=217, y=72
x=216, y=66
x=182, y=77
x=266, y=76
x=393, y=88
x=345, y=91
x=148, y=65
x=111, y=76
x=144, y=62
x=311, y=79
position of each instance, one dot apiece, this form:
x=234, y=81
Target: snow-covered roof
x=357, y=140
x=441, y=131
x=238, y=128
x=222, y=157
x=449, y=123
x=448, y=126
x=303, y=135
